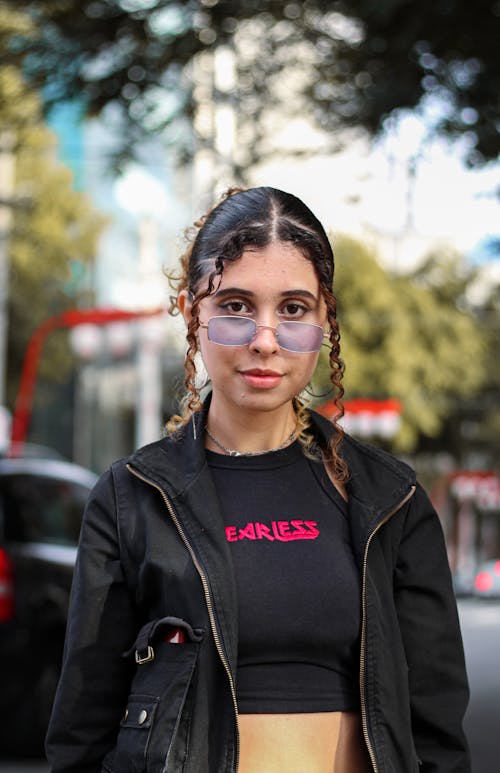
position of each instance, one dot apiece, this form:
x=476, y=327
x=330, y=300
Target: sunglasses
x=239, y=331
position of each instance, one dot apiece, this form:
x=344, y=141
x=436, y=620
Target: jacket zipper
x=208, y=598
x=363, y=628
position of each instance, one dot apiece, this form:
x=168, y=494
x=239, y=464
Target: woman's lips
x=261, y=379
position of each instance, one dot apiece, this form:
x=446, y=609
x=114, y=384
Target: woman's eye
x=236, y=307
x=294, y=309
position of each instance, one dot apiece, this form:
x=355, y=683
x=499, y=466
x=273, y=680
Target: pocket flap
x=153, y=629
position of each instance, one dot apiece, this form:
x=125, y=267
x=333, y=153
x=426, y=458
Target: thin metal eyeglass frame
x=268, y=327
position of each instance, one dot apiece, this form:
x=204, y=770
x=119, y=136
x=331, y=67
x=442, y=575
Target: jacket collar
x=378, y=484
x=176, y=461
x=378, y=481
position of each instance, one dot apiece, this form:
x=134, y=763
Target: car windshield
x=42, y=510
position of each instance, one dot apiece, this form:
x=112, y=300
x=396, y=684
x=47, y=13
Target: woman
x=258, y=591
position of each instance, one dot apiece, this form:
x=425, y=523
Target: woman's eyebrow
x=250, y=294
x=300, y=293
x=233, y=291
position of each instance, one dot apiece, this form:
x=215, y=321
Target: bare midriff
x=328, y=742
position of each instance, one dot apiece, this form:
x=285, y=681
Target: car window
x=37, y=509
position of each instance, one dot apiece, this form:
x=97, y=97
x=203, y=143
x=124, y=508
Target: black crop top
x=298, y=584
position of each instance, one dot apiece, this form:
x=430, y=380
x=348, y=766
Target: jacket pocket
x=155, y=724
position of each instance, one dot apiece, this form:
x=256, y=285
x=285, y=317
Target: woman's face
x=268, y=285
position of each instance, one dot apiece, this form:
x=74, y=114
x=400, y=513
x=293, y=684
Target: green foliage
x=409, y=52
x=19, y=105
x=485, y=410
x=356, y=61
x=406, y=338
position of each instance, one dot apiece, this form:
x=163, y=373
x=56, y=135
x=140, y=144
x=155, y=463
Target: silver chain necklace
x=231, y=452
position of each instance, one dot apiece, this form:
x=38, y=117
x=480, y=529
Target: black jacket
x=153, y=558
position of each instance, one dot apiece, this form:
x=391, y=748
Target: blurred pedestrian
x=258, y=591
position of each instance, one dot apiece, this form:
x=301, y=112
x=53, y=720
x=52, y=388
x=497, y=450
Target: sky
x=365, y=190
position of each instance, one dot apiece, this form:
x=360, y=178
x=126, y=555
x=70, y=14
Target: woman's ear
x=185, y=306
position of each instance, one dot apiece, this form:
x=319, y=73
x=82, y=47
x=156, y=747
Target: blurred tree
x=482, y=411
x=54, y=236
x=19, y=105
x=406, y=338
x=54, y=228
x=363, y=60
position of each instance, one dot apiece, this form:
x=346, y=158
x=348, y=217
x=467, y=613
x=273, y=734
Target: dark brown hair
x=255, y=218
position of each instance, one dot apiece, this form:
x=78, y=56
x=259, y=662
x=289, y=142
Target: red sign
x=366, y=417
x=479, y=486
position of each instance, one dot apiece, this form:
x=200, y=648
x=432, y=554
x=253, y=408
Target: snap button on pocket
x=140, y=712
x=135, y=752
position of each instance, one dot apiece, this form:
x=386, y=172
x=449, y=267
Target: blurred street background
x=121, y=122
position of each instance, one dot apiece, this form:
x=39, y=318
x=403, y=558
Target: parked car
x=41, y=504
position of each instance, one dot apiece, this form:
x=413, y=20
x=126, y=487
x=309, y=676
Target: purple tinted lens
x=299, y=336
x=231, y=331
x=240, y=331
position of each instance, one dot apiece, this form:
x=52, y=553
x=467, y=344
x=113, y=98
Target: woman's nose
x=264, y=340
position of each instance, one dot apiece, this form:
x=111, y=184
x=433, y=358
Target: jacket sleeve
x=102, y=624
x=430, y=629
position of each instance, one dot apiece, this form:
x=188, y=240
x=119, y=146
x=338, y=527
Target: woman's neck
x=249, y=431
